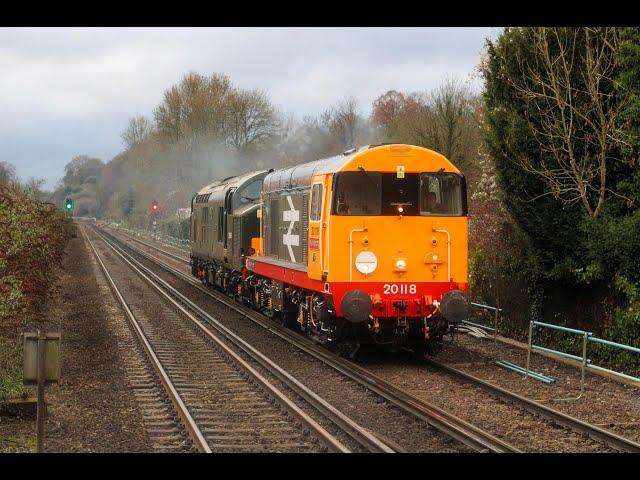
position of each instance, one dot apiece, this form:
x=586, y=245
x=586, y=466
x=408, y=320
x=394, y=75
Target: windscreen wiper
x=368, y=176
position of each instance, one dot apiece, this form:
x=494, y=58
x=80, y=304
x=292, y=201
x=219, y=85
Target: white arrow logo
x=292, y=216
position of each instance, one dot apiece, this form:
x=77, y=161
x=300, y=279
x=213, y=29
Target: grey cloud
x=65, y=92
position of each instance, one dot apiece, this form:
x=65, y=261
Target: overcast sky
x=70, y=91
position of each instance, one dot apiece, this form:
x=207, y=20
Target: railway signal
x=68, y=205
x=155, y=213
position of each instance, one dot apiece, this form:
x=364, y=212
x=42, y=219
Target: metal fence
x=587, y=338
x=586, y=363
x=487, y=308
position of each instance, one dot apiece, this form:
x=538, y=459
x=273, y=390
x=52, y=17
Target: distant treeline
x=206, y=128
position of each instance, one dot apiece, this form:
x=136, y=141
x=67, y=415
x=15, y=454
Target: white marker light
x=401, y=265
x=366, y=262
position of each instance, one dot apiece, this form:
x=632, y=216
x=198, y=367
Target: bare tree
x=81, y=168
x=191, y=119
x=137, y=131
x=194, y=110
x=343, y=123
x=7, y=173
x=415, y=122
x=450, y=106
x=169, y=115
x=572, y=112
x=32, y=188
x=251, y=120
x=386, y=111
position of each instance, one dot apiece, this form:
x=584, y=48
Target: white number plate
x=403, y=288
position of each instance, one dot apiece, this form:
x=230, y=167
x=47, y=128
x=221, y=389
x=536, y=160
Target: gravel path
x=92, y=409
x=606, y=402
x=17, y=435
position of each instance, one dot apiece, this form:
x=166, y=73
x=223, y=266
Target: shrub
x=32, y=238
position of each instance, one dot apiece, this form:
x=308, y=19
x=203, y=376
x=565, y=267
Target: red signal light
x=155, y=207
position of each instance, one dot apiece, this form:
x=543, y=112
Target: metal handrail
x=585, y=361
x=496, y=311
x=615, y=344
x=486, y=307
x=587, y=337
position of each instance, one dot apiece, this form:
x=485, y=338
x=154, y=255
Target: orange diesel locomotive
x=368, y=246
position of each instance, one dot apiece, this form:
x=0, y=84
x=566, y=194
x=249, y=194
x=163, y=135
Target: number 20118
x=394, y=288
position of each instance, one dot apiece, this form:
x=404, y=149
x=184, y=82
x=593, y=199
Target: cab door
x=228, y=219
x=317, y=227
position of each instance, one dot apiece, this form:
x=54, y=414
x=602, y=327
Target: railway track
x=554, y=416
x=594, y=432
x=174, y=257
x=445, y=422
x=224, y=403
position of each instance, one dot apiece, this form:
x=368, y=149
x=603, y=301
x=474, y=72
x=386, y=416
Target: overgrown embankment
x=32, y=238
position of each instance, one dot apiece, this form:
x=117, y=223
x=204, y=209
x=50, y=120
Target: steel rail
x=438, y=418
x=158, y=249
x=189, y=423
x=575, y=424
x=609, y=438
x=360, y=434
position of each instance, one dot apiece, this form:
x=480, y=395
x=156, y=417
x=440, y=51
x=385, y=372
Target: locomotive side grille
x=235, y=248
x=275, y=226
x=305, y=226
x=266, y=225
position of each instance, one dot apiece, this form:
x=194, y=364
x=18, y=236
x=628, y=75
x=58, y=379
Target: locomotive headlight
x=366, y=262
x=401, y=265
x=434, y=257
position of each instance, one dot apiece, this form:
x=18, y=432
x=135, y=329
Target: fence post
x=41, y=383
x=584, y=361
x=529, y=347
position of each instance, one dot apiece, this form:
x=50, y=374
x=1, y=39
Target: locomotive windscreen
x=442, y=194
x=374, y=193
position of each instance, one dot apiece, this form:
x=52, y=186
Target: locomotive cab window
x=249, y=194
x=442, y=194
x=375, y=193
x=357, y=193
x=400, y=195
x=316, y=202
